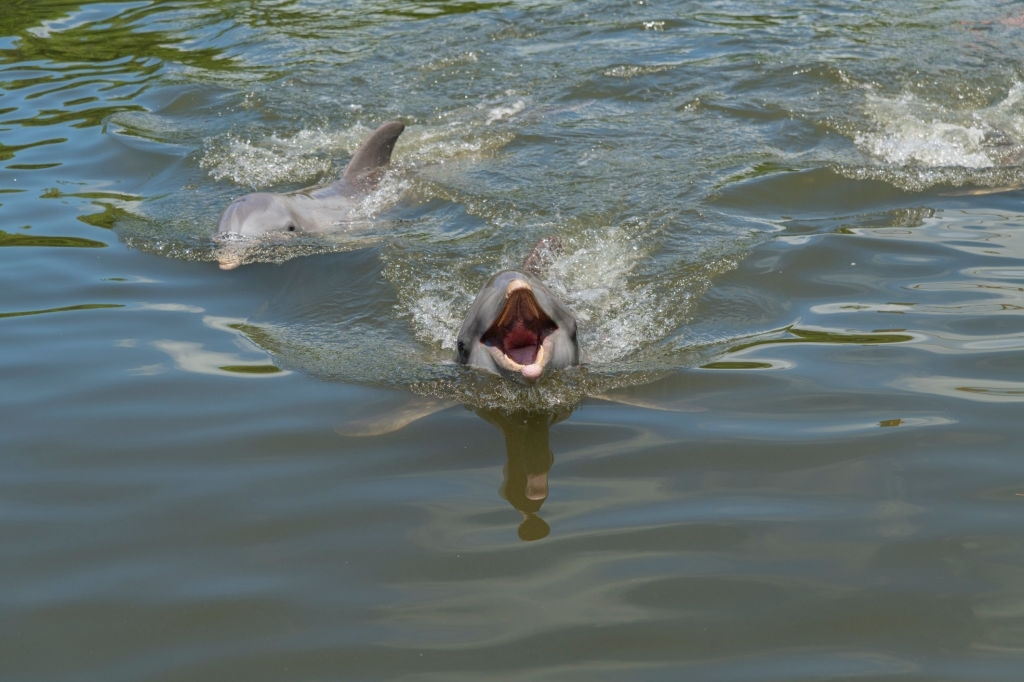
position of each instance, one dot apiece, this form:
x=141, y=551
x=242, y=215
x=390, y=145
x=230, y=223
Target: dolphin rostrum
x=314, y=209
x=518, y=328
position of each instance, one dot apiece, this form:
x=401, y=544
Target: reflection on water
x=529, y=459
x=528, y=455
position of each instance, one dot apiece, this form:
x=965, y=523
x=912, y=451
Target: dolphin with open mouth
x=518, y=328
x=314, y=209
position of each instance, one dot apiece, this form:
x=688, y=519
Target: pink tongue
x=524, y=355
x=521, y=345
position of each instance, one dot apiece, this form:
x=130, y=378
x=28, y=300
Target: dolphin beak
x=519, y=340
x=229, y=250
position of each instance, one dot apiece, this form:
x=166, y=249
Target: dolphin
x=314, y=209
x=517, y=327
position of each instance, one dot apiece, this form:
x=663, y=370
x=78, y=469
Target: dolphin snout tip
x=517, y=285
x=532, y=372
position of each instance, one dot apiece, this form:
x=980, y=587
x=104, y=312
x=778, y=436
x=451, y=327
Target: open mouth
x=516, y=338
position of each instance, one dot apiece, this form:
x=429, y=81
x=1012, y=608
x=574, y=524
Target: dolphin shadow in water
x=528, y=454
x=314, y=210
x=529, y=459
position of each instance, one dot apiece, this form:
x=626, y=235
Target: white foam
x=272, y=160
x=502, y=113
x=616, y=309
x=387, y=194
x=908, y=130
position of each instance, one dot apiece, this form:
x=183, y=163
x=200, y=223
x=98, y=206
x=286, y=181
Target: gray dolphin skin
x=518, y=328
x=314, y=209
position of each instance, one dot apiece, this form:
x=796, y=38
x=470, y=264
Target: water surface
x=792, y=239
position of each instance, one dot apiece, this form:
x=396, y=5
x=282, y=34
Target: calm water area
x=793, y=239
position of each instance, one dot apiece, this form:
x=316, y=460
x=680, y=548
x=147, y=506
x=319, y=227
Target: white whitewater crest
x=305, y=156
x=596, y=276
x=922, y=143
x=312, y=155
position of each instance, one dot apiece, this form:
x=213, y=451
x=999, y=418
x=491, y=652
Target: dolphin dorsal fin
x=375, y=151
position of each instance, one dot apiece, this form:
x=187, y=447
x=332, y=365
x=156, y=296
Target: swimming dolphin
x=518, y=328
x=314, y=209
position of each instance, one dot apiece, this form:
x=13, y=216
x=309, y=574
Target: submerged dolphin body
x=314, y=209
x=518, y=328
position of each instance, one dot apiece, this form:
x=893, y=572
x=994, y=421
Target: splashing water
x=923, y=143
x=275, y=159
x=602, y=273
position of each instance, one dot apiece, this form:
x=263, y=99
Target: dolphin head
x=257, y=214
x=518, y=328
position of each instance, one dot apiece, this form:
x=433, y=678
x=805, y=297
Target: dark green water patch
x=64, y=309
x=84, y=118
x=33, y=166
x=804, y=193
x=109, y=39
x=8, y=239
x=7, y=151
x=424, y=9
x=251, y=369
x=851, y=224
x=106, y=218
x=55, y=193
x=797, y=335
x=737, y=365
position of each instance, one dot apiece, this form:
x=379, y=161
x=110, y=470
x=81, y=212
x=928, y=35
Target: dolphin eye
x=291, y=228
